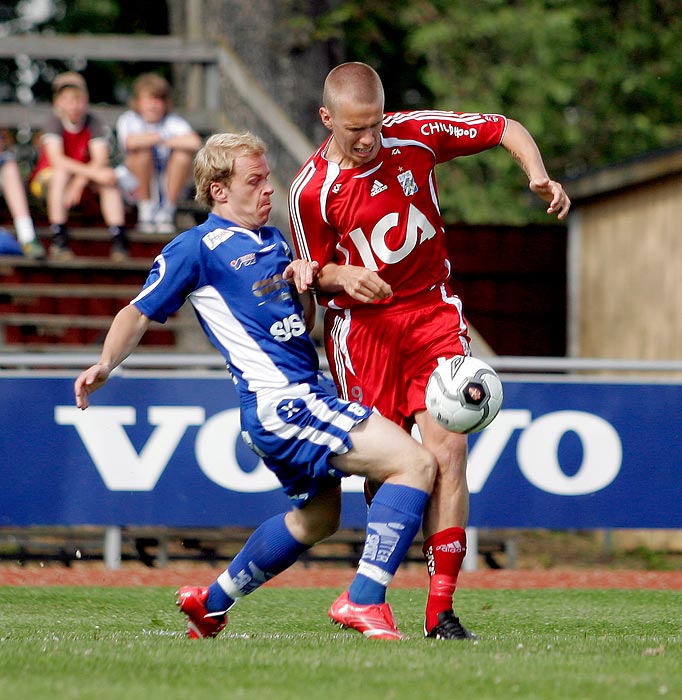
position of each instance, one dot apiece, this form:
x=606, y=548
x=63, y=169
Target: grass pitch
x=108, y=643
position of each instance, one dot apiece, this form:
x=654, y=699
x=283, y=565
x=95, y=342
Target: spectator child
x=159, y=146
x=12, y=188
x=74, y=157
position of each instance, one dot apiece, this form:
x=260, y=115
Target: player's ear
x=326, y=117
x=219, y=192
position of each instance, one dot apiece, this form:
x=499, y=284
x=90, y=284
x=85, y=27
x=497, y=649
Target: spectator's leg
x=177, y=171
x=177, y=174
x=141, y=165
x=111, y=203
x=15, y=196
x=13, y=189
x=57, y=211
x=113, y=212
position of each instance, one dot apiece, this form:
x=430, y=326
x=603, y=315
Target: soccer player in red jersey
x=365, y=207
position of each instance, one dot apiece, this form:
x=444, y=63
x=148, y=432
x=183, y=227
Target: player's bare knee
x=427, y=467
x=418, y=468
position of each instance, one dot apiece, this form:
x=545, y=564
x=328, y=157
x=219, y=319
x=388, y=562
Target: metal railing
x=208, y=361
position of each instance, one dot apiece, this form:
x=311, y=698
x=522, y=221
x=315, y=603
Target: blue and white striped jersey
x=233, y=278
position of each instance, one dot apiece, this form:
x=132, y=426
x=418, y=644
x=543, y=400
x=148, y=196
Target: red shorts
x=383, y=356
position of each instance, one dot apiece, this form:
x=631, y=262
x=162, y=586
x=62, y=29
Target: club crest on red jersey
x=407, y=182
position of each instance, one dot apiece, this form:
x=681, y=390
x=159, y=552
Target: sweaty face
x=356, y=129
x=248, y=195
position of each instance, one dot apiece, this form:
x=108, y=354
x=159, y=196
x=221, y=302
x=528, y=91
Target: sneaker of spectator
x=59, y=249
x=164, y=220
x=145, y=216
x=33, y=249
x=119, y=246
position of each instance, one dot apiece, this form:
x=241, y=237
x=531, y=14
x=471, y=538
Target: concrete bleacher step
x=32, y=330
x=69, y=321
x=70, y=303
x=67, y=350
x=83, y=267
x=95, y=242
x=34, y=290
x=92, y=248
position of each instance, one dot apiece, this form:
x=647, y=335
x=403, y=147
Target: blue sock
x=393, y=520
x=269, y=550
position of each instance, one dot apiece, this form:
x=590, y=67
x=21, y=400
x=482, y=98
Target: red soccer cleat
x=200, y=623
x=372, y=621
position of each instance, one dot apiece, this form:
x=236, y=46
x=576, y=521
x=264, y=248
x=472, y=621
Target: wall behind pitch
x=512, y=282
x=167, y=450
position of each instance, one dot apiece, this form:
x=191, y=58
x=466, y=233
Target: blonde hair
x=216, y=159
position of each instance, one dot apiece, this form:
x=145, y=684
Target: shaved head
x=353, y=82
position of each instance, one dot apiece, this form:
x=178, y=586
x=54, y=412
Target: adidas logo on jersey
x=377, y=187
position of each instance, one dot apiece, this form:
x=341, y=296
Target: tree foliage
x=594, y=81
x=108, y=81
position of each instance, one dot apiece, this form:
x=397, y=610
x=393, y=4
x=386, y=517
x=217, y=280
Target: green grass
x=128, y=644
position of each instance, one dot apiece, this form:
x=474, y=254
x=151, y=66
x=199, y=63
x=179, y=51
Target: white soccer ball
x=464, y=394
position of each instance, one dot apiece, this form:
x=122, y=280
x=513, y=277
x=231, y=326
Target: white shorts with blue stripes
x=297, y=431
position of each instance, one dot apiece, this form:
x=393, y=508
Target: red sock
x=444, y=552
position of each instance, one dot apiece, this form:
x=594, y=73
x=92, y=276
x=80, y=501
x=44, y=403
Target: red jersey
x=385, y=215
x=76, y=140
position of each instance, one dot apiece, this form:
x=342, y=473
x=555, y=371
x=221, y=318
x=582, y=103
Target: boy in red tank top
x=74, y=160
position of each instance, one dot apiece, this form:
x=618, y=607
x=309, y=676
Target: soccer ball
x=464, y=394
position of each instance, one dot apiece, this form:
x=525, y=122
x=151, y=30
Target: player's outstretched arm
x=126, y=331
x=360, y=283
x=522, y=147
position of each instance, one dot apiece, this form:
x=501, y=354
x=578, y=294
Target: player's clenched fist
x=363, y=284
